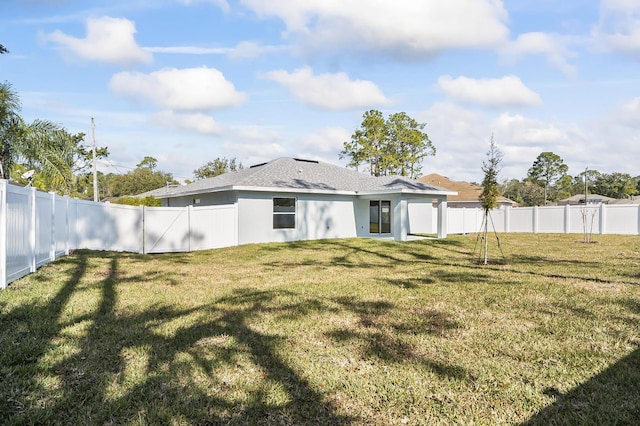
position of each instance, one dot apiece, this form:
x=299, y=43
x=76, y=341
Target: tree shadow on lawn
x=611, y=397
x=379, y=338
x=98, y=384
x=26, y=333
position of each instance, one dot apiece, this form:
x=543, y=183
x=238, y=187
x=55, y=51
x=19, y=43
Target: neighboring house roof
x=297, y=175
x=467, y=192
x=597, y=199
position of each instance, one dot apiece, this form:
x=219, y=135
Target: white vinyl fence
x=37, y=227
x=596, y=219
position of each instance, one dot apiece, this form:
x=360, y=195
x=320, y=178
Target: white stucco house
x=291, y=199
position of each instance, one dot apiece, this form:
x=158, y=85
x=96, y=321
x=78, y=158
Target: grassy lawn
x=348, y=331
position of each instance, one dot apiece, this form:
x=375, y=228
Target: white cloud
x=191, y=50
x=618, y=29
x=326, y=140
x=551, y=46
x=508, y=91
x=200, y=123
x=243, y=50
x=405, y=28
x=323, y=145
x=108, y=40
x=329, y=91
x=254, y=153
x=461, y=137
x=629, y=113
x=252, y=49
x=222, y=4
x=189, y=89
x=521, y=131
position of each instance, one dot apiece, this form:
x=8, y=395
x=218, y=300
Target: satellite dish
x=28, y=174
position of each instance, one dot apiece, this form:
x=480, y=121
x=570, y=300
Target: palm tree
x=40, y=145
x=11, y=128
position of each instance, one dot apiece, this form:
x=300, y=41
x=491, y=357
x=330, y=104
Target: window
x=380, y=217
x=284, y=213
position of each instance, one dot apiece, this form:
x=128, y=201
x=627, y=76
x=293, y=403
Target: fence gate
x=166, y=229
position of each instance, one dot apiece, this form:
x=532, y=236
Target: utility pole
x=95, y=168
x=585, y=185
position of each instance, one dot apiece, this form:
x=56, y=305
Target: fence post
x=67, y=226
x=3, y=234
x=567, y=219
x=52, y=245
x=535, y=219
x=236, y=229
x=144, y=231
x=603, y=219
x=32, y=230
x=464, y=229
x=507, y=219
x=189, y=233
x=141, y=245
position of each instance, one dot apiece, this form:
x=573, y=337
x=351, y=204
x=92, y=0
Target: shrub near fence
x=38, y=227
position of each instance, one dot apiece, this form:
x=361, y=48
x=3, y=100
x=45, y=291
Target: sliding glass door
x=380, y=217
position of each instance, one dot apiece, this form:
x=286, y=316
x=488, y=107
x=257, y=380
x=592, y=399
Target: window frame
x=279, y=213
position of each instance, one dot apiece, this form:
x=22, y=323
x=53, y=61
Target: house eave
x=306, y=191
x=257, y=189
x=406, y=192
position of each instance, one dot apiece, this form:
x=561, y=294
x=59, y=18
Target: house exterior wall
x=208, y=199
x=422, y=216
x=362, y=214
x=317, y=216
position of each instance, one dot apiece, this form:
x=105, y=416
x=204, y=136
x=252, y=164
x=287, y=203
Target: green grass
x=349, y=331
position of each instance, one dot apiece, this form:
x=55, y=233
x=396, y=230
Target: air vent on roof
x=257, y=165
x=306, y=161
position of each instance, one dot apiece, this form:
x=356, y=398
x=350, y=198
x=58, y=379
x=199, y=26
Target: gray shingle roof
x=296, y=174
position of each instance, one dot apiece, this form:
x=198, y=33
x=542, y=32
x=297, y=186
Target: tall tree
x=547, y=169
x=615, y=185
x=217, y=167
x=409, y=144
x=144, y=178
x=395, y=145
x=367, y=145
x=148, y=163
x=578, y=183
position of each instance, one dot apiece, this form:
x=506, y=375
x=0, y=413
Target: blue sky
x=186, y=81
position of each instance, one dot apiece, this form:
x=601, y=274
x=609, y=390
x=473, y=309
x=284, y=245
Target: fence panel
x=44, y=228
x=126, y=230
x=584, y=218
x=92, y=227
x=521, y=219
x=18, y=222
x=551, y=219
x=621, y=219
x=213, y=227
x=166, y=229
x=455, y=221
x=61, y=210
x=497, y=220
